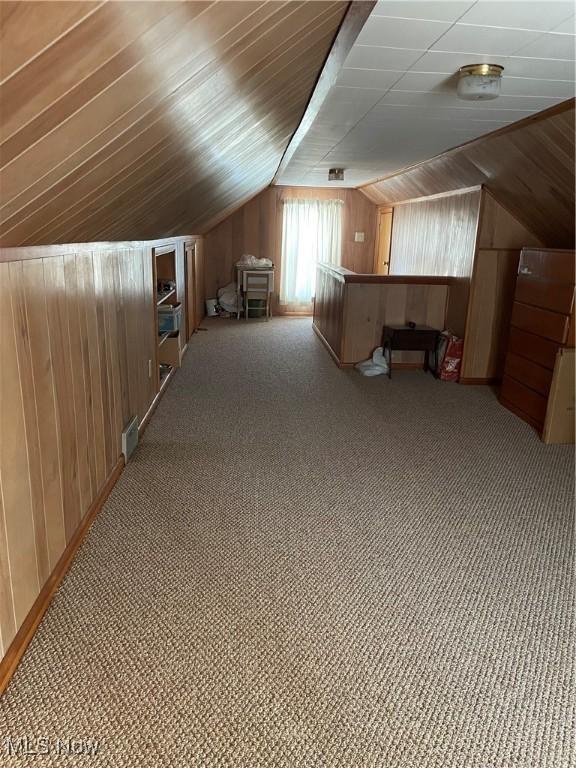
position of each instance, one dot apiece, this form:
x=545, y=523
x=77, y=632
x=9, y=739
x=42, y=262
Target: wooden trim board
x=333, y=354
x=30, y=624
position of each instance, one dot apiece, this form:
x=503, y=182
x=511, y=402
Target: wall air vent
x=130, y=438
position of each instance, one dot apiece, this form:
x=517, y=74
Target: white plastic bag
x=376, y=366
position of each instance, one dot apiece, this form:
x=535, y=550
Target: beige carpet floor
x=305, y=568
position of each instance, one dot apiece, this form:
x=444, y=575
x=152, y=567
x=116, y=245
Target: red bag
x=452, y=358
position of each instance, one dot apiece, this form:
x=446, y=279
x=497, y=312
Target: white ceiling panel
x=446, y=99
x=374, y=57
x=435, y=82
x=546, y=69
x=395, y=101
x=379, y=79
x=465, y=38
x=446, y=10
x=549, y=46
x=402, y=33
x=568, y=27
x=528, y=14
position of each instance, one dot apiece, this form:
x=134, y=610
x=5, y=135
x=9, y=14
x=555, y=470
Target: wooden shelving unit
x=163, y=298
x=169, y=344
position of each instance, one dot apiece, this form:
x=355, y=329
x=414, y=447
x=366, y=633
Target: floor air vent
x=130, y=438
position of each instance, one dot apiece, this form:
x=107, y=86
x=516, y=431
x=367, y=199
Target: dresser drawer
x=541, y=322
x=544, y=294
x=535, y=348
x=528, y=373
x=556, y=266
x=524, y=399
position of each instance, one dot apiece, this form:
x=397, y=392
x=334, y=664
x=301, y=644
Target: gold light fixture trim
x=481, y=70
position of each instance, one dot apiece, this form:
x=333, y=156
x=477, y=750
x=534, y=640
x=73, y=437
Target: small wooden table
x=417, y=338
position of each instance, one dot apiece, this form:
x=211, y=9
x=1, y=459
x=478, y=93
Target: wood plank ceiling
x=528, y=167
x=136, y=120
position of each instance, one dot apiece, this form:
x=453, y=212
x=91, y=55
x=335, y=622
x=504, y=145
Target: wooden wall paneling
x=457, y=309
x=226, y=71
x=137, y=329
x=108, y=406
x=94, y=370
x=489, y=311
x=329, y=311
x=369, y=307
x=83, y=265
x=16, y=493
x=528, y=167
x=30, y=435
x=181, y=286
x=76, y=371
x=191, y=309
x=500, y=229
x=199, y=272
x=64, y=390
x=7, y=618
x=42, y=377
x=559, y=425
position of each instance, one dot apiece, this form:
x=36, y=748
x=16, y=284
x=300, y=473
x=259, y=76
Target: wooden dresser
x=542, y=322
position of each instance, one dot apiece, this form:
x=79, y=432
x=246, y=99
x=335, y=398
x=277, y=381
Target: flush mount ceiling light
x=479, y=82
x=336, y=174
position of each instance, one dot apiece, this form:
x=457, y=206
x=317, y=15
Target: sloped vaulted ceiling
x=135, y=120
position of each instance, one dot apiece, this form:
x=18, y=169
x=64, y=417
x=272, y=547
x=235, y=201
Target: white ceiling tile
x=401, y=33
x=450, y=62
x=435, y=10
x=527, y=86
x=447, y=99
x=511, y=86
x=379, y=79
x=427, y=81
x=471, y=39
x=549, y=46
x=568, y=26
x=544, y=69
x=529, y=14
x=373, y=57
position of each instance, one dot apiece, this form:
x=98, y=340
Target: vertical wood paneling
x=108, y=401
x=75, y=367
x=76, y=335
x=19, y=519
x=48, y=433
x=83, y=281
x=200, y=274
x=64, y=394
x=7, y=618
x=30, y=437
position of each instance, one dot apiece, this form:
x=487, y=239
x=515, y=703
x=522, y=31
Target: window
x=311, y=232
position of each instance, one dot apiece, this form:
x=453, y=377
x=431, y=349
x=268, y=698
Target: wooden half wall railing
x=350, y=310
x=77, y=352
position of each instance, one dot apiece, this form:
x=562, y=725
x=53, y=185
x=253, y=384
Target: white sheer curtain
x=435, y=237
x=311, y=232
